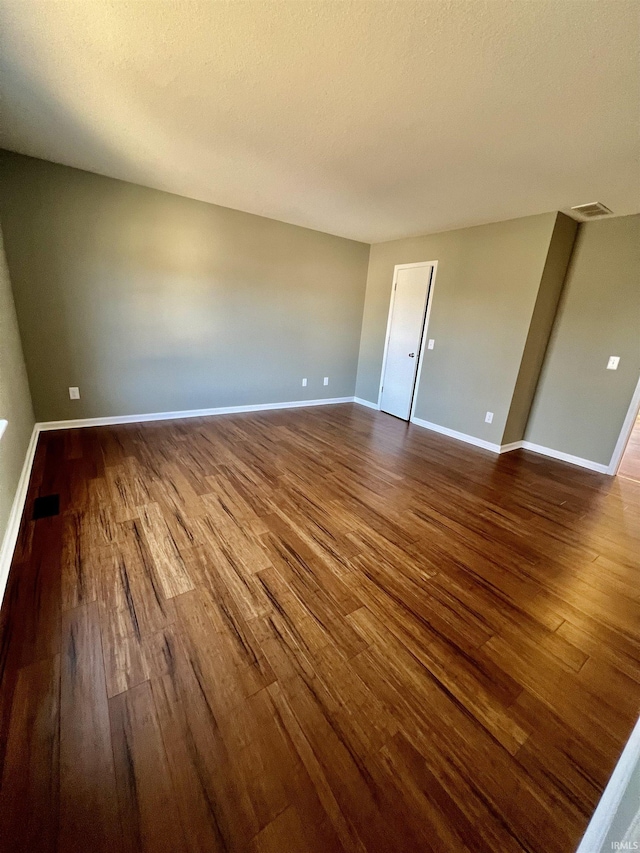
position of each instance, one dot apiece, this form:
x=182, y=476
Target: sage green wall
x=15, y=400
x=580, y=406
x=551, y=284
x=150, y=302
x=485, y=293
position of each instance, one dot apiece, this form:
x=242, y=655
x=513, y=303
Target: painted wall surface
x=15, y=399
x=150, y=302
x=580, y=406
x=625, y=825
x=544, y=313
x=485, y=293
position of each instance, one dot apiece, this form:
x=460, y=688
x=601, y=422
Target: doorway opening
x=625, y=461
x=409, y=309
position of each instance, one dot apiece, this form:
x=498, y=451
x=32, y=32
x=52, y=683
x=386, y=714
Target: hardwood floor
x=630, y=465
x=314, y=630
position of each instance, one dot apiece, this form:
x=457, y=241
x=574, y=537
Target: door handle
x=412, y=355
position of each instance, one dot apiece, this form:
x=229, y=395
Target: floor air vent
x=46, y=506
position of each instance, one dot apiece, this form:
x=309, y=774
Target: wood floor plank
x=170, y=568
x=88, y=799
x=148, y=809
x=38, y=605
x=131, y=585
x=285, y=832
x=29, y=789
x=79, y=577
x=216, y=811
x=320, y=630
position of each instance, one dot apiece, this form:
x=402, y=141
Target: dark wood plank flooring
x=313, y=630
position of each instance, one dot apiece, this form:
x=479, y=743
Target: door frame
x=416, y=382
x=625, y=432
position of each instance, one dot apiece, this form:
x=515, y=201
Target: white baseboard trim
x=15, y=516
x=514, y=445
x=366, y=403
x=565, y=457
x=191, y=413
x=617, y=787
x=507, y=448
x=461, y=436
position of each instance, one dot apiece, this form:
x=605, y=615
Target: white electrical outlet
x=304, y=383
x=488, y=418
x=74, y=393
x=431, y=343
x=614, y=361
x=326, y=380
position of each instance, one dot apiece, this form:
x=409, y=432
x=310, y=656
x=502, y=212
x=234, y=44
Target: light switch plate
x=431, y=343
x=488, y=418
x=614, y=361
x=74, y=393
x=304, y=383
x=326, y=380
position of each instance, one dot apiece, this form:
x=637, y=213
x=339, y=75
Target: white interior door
x=405, y=336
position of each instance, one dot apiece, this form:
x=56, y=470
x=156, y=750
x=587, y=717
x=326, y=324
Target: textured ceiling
x=369, y=119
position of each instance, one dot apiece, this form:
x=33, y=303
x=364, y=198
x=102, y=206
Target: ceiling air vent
x=589, y=211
